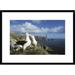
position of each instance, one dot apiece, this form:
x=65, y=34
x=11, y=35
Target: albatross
x=14, y=44
x=28, y=42
x=33, y=40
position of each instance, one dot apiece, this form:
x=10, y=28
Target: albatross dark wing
x=21, y=42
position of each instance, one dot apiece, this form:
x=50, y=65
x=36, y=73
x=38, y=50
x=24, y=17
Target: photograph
x=37, y=37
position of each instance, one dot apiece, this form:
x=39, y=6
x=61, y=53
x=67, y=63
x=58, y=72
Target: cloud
x=56, y=29
x=29, y=27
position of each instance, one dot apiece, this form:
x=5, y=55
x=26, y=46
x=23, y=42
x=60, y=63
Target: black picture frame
x=1, y=11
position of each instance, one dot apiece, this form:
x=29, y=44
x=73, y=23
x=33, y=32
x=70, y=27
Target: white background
x=37, y=4
x=67, y=58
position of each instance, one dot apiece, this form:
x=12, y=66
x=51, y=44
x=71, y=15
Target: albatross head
x=27, y=34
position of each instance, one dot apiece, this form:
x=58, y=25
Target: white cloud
x=29, y=27
x=56, y=29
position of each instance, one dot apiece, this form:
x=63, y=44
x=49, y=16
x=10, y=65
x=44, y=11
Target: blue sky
x=53, y=28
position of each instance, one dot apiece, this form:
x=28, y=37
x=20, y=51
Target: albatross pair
x=23, y=44
x=28, y=43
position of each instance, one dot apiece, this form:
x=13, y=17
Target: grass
x=32, y=51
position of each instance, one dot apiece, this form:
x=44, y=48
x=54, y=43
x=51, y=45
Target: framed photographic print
x=37, y=37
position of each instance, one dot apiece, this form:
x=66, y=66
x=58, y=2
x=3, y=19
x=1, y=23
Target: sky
x=52, y=28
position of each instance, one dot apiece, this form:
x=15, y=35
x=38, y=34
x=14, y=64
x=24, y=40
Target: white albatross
x=13, y=44
x=18, y=47
x=33, y=40
x=28, y=42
